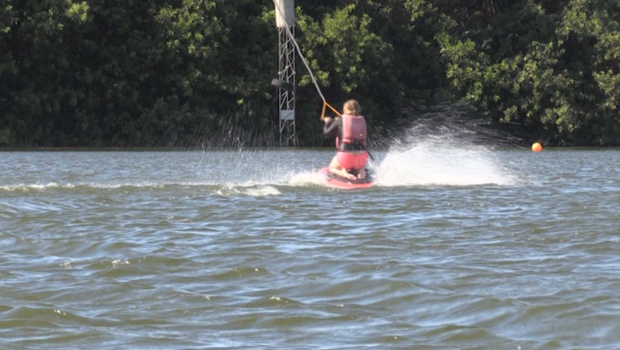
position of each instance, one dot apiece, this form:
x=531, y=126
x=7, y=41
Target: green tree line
x=197, y=72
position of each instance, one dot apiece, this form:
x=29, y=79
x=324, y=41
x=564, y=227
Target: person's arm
x=330, y=129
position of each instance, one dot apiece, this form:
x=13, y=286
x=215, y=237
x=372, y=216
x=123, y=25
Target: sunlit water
x=457, y=247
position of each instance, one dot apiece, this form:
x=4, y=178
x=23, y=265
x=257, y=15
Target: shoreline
x=239, y=149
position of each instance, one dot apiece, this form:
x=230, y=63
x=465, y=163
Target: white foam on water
x=265, y=191
x=440, y=161
x=261, y=191
x=36, y=187
x=306, y=178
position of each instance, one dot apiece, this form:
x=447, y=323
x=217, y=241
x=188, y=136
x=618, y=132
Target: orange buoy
x=536, y=147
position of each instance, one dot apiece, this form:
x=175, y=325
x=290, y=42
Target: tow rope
x=303, y=59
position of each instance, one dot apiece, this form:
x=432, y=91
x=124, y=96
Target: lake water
x=457, y=247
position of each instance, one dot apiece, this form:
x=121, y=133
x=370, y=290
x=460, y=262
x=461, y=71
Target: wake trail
x=438, y=163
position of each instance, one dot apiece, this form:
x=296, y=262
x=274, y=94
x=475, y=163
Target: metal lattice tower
x=285, y=21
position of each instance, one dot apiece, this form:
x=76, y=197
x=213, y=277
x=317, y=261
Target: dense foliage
x=197, y=72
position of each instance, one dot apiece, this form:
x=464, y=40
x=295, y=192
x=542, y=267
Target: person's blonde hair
x=352, y=107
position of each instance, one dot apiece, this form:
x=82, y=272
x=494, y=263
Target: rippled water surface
x=455, y=248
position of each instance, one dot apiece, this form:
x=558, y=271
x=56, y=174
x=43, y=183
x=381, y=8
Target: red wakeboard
x=340, y=182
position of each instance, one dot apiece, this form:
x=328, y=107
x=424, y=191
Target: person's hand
x=327, y=120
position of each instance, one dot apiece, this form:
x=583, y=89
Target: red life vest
x=353, y=131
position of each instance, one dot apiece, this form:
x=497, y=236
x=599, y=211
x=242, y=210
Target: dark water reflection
x=456, y=248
